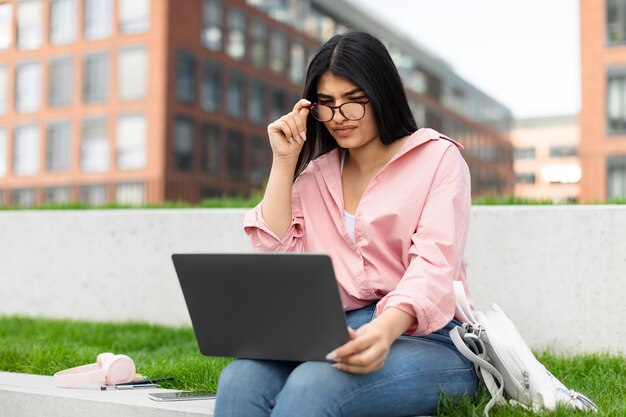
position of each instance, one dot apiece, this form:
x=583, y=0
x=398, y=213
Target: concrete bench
x=557, y=271
x=24, y=395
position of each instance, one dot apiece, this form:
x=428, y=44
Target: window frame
x=96, y=92
x=66, y=92
x=66, y=159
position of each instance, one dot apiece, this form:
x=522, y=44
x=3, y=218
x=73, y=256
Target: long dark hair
x=364, y=60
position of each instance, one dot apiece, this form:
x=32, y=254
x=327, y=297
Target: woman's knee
x=312, y=389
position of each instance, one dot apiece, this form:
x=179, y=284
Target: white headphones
x=109, y=369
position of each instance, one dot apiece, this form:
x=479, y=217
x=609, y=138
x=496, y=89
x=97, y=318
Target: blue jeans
x=417, y=371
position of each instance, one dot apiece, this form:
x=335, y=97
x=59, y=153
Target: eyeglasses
x=351, y=110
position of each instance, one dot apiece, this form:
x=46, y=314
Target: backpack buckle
x=473, y=331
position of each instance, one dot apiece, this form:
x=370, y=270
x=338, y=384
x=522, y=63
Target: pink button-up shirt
x=410, y=229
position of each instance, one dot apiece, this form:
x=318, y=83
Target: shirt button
x=377, y=178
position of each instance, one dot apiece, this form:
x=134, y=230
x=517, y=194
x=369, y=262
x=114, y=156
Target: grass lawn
x=44, y=346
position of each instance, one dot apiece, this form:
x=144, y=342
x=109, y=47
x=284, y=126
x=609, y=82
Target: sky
x=523, y=53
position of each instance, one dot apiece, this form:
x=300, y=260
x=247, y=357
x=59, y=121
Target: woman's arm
x=286, y=135
x=369, y=347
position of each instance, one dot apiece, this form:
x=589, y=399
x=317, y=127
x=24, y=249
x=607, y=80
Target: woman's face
x=334, y=91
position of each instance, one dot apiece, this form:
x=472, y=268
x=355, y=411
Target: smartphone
x=181, y=395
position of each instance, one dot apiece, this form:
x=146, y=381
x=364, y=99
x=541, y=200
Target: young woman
x=390, y=204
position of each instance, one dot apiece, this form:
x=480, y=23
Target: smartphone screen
x=181, y=395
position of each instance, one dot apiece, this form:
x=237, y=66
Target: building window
x=130, y=193
x=616, y=101
x=4, y=86
x=98, y=19
x=185, y=77
x=24, y=197
x=58, y=147
x=2, y=203
x=211, y=86
x=57, y=195
x=235, y=155
x=96, y=77
x=132, y=73
x=62, y=22
x=278, y=52
x=29, y=24
x=258, y=49
x=417, y=81
x=525, y=178
x=134, y=16
x=236, y=41
x=564, y=151
x=26, y=150
x=6, y=26
x=60, y=82
x=236, y=91
x=131, y=152
x=419, y=112
x=211, y=150
x=296, y=70
x=3, y=153
x=93, y=194
x=312, y=24
x=184, y=143
x=278, y=104
x=256, y=103
x=616, y=177
x=28, y=87
x=212, y=30
x=524, y=153
x=260, y=162
x=615, y=21
x=94, y=148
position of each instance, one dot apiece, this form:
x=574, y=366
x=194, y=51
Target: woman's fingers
x=301, y=112
x=363, y=362
x=365, y=352
x=287, y=134
x=293, y=124
x=356, y=345
x=294, y=131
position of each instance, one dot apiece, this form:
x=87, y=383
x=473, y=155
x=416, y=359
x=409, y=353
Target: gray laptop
x=263, y=306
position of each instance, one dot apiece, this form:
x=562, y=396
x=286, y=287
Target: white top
x=348, y=218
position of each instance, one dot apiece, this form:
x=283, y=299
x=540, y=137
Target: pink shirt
x=410, y=229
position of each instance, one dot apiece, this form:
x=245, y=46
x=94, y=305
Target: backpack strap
x=467, y=340
x=463, y=309
x=487, y=372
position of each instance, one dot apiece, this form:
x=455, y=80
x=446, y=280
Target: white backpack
x=504, y=362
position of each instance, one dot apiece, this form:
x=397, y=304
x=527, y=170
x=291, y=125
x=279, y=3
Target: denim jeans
x=417, y=371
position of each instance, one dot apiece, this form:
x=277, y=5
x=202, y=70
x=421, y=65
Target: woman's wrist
x=394, y=323
x=285, y=164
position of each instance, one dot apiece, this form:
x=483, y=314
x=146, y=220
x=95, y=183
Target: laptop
x=263, y=305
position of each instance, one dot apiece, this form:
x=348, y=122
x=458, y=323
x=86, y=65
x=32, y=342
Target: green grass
x=247, y=202
x=230, y=202
x=45, y=346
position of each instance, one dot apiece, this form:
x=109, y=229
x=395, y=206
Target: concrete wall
x=559, y=272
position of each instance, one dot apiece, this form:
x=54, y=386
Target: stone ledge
x=25, y=395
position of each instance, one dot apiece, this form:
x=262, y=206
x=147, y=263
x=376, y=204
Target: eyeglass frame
x=363, y=103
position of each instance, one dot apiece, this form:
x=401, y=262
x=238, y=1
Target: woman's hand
x=287, y=134
x=369, y=345
x=366, y=352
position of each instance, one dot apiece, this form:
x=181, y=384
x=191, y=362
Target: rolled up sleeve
x=262, y=237
x=437, y=248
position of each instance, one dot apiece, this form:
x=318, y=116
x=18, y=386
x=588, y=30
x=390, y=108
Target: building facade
x=603, y=112
x=140, y=101
x=546, y=159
